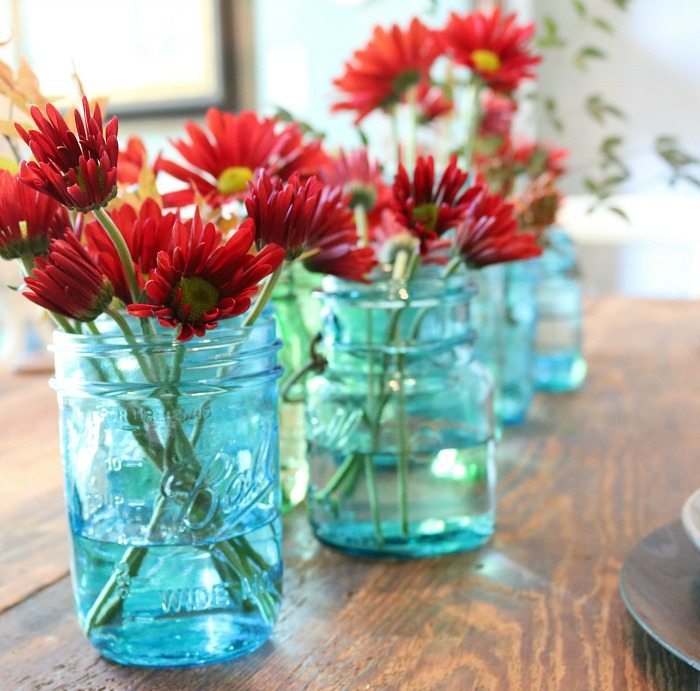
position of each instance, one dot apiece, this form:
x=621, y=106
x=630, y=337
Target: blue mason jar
x=504, y=313
x=400, y=423
x=520, y=321
x=170, y=453
x=488, y=318
x=559, y=363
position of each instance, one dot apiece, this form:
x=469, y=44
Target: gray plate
x=660, y=584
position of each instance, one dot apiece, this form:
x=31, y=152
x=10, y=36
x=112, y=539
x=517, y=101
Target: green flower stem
x=361, y=224
x=450, y=268
x=122, y=250
x=405, y=265
x=131, y=340
x=473, y=119
x=109, y=601
x=337, y=478
x=264, y=296
x=412, y=135
x=373, y=499
x=402, y=464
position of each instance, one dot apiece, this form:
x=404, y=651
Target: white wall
x=652, y=72
x=301, y=46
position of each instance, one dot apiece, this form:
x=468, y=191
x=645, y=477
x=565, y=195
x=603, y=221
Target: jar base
x=559, y=372
x=423, y=540
x=211, y=639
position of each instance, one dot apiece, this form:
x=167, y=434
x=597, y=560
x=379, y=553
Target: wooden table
x=588, y=477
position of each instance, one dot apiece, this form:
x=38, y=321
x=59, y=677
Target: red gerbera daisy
x=360, y=178
x=432, y=102
x=537, y=206
x=489, y=233
x=79, y=169
x=539, y=157
x=131, y=161
x=426, y=206
x=378, y=75
x=199, y=281
x=146, y=232
x=28, y=219
x=493, y=46
x=311, y=221
x=497, y=114
x=223, y=159
x=68, y=282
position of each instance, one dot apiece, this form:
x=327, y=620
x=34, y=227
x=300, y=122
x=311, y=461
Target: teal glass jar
x=559, y=363
x=504, y=315
x=171, y=470
x=520, y=321
x=400, y=424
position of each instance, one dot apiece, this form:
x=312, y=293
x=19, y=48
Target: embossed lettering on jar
x=171, y=466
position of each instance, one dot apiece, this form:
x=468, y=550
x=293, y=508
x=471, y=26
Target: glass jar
x=559, y=364
x=488, y=309
x=503, y=313
x=520, y=321
x=170, y=455
x=400, y=424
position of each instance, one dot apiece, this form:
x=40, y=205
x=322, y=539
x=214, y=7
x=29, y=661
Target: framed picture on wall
x=154, y=56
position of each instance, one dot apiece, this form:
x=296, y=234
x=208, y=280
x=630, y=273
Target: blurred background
x=619, y=88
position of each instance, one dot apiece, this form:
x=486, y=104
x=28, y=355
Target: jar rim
x=230, y=331
x=427, y=288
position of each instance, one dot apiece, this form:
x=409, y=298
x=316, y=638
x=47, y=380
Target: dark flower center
x=362, y=195
x=426, y=214
x=199, y=294
x=402, y=82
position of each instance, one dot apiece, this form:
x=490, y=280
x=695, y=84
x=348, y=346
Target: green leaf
x=363, y=137
x=551, y=109
x=680, y=161
x=550, y=37
x=603, y=25
x=586, y=53
x=580, y=8
x=599, y=109
x=617, y=210
x=284, y=115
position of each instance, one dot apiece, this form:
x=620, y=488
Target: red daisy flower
x=200, y=281
x=390, y=235
x=537, y=206
x=361, y=179
x=426, y=206
x=79, y=169
x=497, y=114
x=68, y=282
x=28, y=219
x=432, y=102
x=493, y=46
x=311, y=221
x=146, y=232
x=538, y=158
x=223, y=159
x=378, y=75
x=489, y=233
x=131, y=161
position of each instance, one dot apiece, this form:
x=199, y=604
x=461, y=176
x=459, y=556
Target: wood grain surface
x=587, y=478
